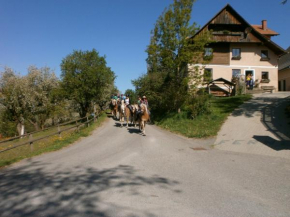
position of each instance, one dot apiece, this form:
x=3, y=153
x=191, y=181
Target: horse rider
x=127, y=103
x=127, y=100
x=123, y=97
x=145, y=101
x=139, y=101
x=116, y=97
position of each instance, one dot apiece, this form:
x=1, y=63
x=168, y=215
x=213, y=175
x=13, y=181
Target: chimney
x=264, y=24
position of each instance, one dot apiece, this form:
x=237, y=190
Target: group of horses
x=137, y=114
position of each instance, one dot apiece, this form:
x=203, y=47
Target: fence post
x=31, y=142
x=77, y=126
x=58, y=129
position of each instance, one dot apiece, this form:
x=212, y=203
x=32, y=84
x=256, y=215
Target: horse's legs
x=135, y=119
x=120, y=119
x=140, y=126
x=144, y=123
x=127, y=120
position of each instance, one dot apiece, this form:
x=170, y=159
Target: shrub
x=198, y=105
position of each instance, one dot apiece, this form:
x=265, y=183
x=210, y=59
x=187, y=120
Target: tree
x=170, y=50
x=86, y=79
x=28, y=97
x=13, y=98
x=42, y=83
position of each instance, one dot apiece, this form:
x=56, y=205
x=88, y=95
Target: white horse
x=122, y=112
x=135, y=110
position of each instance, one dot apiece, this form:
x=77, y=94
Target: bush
x=198, y=105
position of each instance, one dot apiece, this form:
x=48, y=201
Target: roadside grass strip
x=49, y=144
x=206, y=125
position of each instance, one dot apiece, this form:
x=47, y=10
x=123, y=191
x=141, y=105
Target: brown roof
x=267, y=31
x=284, y=61
x=263, y=37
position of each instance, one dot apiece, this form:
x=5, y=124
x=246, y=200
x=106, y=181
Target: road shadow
x=134, y=130
x=275, y=119
x=118, y=124
x=32, y=191
x=273, y=143
x=271, y=109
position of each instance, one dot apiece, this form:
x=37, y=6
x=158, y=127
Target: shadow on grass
x=39, y=189
x=231, y=105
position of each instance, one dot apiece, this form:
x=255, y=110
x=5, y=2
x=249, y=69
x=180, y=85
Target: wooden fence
x=76, y=124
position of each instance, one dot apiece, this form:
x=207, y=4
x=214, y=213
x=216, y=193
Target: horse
x=143, y=117
x=130, y=114
x=134, y=117
x=114, y=108
x=122, y=107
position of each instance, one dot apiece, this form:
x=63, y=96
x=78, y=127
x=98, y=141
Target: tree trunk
x=35, y=124
x=20, y=129
x=84, y=110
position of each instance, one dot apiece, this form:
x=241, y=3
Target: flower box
x=265, y=81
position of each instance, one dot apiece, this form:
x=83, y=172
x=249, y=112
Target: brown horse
x=131, y=115
x=114, y=108
x=143, y=117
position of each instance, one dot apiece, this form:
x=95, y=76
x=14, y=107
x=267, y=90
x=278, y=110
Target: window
x=207, y=75
x=207, y=52
x=236, y=53
x=264, y=55
x=236, y=73
x=265, y=75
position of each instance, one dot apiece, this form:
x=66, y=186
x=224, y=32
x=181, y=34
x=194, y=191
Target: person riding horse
x=142, y=101
x=127, y=102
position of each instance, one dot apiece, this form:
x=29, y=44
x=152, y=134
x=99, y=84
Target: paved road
x=118, y=173
x=260, y=126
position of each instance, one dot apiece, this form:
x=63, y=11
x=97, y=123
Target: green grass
x=204, y=125
x=52, y=143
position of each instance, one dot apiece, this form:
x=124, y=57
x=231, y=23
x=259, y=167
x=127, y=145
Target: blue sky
x=43, y=32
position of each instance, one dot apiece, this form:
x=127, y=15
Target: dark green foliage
x=151, y=86
x=198, y=105
x=86, y=79
x=7, y=124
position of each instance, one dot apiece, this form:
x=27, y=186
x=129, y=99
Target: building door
x=250, y=72
x=282, y=85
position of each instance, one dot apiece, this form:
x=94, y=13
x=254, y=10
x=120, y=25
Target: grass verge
x=52, y=143
x=204, y=125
